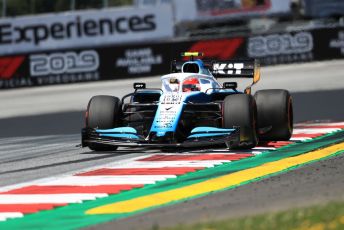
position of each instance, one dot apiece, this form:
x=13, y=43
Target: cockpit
x=189, y=77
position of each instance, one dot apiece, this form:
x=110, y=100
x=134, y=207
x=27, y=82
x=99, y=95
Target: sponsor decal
x=170, y=106
x=9, y=66
x=60, y=63
x=84, y=29
x=228, y=68
x=11, y=72
x=167, y=117
x=53, y=68
x=339, y=42
x=222, y=49
x=138, y=61
x=280, y=48
x=64, y=67
x=74, y=28
x=172, y=98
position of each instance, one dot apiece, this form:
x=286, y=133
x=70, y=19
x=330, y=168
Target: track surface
x=39, y=131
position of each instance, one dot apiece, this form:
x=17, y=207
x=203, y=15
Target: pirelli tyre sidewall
x=103, y=112
x=274, y=114
x=240, y=110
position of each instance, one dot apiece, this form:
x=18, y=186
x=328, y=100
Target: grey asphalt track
x=39, y=129
x=28, y=158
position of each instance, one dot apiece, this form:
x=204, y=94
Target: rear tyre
x=240, y=110
x=103, y=112
x=274, y=114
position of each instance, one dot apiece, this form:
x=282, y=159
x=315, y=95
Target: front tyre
x=240, y=110
x=274, y=114
x=103, y=112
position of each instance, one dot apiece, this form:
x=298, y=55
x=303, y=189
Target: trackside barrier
x=147, y=59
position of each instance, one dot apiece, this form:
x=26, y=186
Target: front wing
x=127, y=137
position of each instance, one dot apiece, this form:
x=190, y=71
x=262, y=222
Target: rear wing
x=237, y=69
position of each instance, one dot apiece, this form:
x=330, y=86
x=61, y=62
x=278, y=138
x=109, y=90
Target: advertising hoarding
x=84, y=29
x=153, y=59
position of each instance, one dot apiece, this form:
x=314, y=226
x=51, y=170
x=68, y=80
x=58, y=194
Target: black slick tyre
x=103, y=112
x=240, y=110
x=274, y=114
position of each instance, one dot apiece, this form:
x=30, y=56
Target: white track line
x=263, y=148
x=7, y=215
x=162, y=164
x=315, y=131
x=49, y=198
x=320, y=124
x=300, y=138
x=77, y=171
x=108, y=180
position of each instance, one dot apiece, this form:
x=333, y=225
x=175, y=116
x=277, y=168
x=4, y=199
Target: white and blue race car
x=192, y=109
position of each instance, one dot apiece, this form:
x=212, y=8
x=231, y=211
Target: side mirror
x=230, y=85
x=139, y=85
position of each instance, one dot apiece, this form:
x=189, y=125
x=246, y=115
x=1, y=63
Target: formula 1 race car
x=192, y=109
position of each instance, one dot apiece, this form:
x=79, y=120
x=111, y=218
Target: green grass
x=329, y=216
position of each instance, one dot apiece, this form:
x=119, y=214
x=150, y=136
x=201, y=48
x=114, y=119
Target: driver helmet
x=191, y=84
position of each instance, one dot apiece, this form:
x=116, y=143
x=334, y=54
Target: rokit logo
x=62, y=63
x=74, y=29
x=228, y=68
x=338, y=43
x=280, y=48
